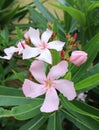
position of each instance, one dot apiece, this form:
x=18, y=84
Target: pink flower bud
x=78, y=57
x=75, y=36
x=62, y=53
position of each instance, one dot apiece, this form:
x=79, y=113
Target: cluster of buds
x=77, y=57
x=71, y=41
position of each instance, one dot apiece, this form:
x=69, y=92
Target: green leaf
x=92, y=71
x=22, y=112
x=44, y=11
x=5, y=35
x=37, y=17
x=85, y=107
x=81, y=110
x=75, y=13
x=68, y=21
x=54, y=122
x=93, y=6
x=34, y=124
x=9, y=15
x=8, y=91
x=26, y=111
x=82, y=122
x=5, y=113
x=92, y=48
x=19, y=76
x=85, y=83
x=73, y=119
x=55, y=54
x=14, y=77
x=19, y=33
x=7, y=99
x=68, y=76
x=66, y=2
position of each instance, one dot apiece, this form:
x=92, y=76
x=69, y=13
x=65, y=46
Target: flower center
x=48, y=83
x=43, y=45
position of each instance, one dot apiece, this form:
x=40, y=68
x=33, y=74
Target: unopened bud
x=62, y=54
x=53, y=35
x=78, y=57
x=75, y=36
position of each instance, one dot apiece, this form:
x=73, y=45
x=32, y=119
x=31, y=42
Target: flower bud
x=75, y=36
x=62, y=53
x=78, y=57
x=53, y=36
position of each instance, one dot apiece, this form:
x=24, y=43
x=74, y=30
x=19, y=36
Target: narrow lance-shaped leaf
x=90, y=109
x=82, y=122
x=77, y=14
x=16, y=100
x=9, y=15
x=69, y=105
x=26, y=111
x=92, y=71
x=93, y=6
x=36, y=16
x=87, y=82
x=22, y=112
x=9, y=91
x=54, y=122
x=44, y=11
x=34, y=124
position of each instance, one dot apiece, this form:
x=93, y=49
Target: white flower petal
x=31, y=89
x=46, y=35
x=57, y=45
x=37, y=70
x=34, y=36
x=51, y=101
x=30, y=52
x=58, y=70
x=9, y=52
x=66, y=87
x=45, y=56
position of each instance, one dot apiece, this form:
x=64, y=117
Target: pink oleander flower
x=78, y=57
x=11, y=50
x=41, y=46
x=48, y=84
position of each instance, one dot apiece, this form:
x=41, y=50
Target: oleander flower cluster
x=38, y=47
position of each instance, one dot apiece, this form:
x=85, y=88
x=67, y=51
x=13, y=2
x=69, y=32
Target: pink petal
x=30, y=52
x=9, y=52
x=33, y=34
x=57, y=45
x=45, y=56
x=79, y=61
x=58, y=70
x=66, y=87
x=37, y=70
x=6, y=57
x=78, y=57
x=46, y=35
x=51, y=101
x=21, y=46
x=31, y=89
